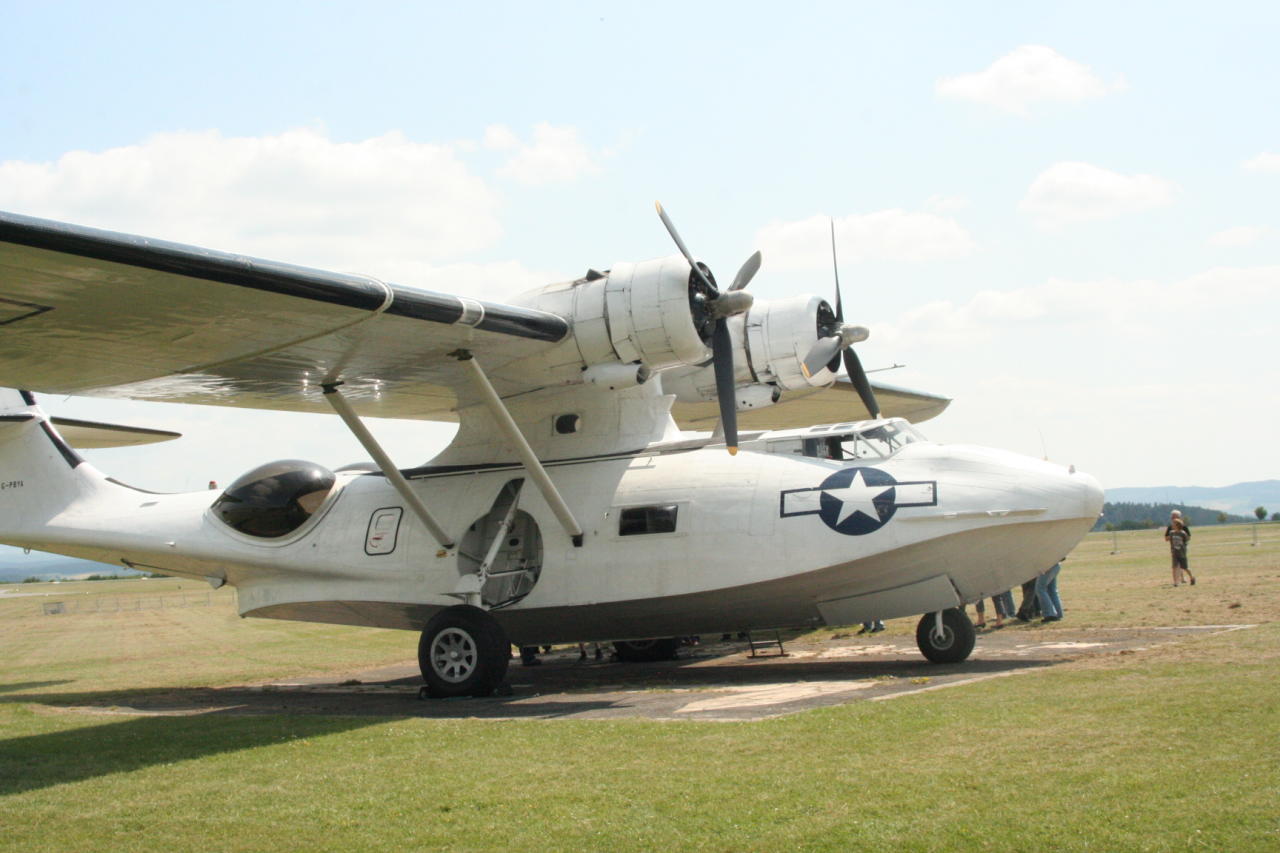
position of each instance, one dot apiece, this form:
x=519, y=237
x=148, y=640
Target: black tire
x=645, y=651
x=957, y=638
x=463, y=652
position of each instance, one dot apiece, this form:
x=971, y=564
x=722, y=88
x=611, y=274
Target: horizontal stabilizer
x=91, y=435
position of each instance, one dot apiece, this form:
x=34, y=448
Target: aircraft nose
x=1091, y=492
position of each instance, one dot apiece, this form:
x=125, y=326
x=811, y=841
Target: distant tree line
x=1139, y=516
x=37, y=579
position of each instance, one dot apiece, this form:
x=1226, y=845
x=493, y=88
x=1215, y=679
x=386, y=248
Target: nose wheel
x=463, y=652
x=946, y=636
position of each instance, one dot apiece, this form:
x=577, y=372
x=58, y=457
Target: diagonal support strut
x=527, y=457
x=388, y=468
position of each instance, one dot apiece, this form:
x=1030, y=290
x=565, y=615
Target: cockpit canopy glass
x=878, y=440
x=873, y=442
x=275, y=499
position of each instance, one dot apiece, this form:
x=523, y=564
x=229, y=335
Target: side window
x=638, y=520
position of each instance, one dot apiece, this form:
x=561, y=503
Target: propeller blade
x=858, y=376
x=684, y=250
x=748, y=272
x=835, y=267
x=821, y=354
x=722, y=359
x=834, y=364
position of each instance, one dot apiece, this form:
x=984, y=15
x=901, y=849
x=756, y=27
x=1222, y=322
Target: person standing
x=1047, y=593
x=1004, y=601
x=1001, y=610
x=1178, y=536
x=1030, y=607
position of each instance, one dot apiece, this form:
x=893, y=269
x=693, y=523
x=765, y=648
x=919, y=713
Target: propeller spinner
x=720, y=306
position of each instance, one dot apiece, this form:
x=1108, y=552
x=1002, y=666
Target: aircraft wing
x=835, y=403
x=84, y=311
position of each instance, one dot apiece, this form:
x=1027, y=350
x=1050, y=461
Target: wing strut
x=389, y=470
x=512, y=431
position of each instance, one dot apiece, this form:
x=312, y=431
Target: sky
x=1064, y=216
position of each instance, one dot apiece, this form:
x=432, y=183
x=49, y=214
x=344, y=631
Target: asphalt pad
x=711, y=681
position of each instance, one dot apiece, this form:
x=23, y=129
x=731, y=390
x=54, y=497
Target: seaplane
x=642, y=454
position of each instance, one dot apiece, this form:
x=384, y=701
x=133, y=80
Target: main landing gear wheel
x=463, y=652
x=644, y=651
x=955, y=641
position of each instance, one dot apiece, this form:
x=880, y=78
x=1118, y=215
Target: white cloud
x=945, y=203
x=1074, y=192
x=1029, y=74
x=1264, y=162
x=499, y=137
x=400, y=210
x=555, y=155
x=895, y=234
x=1241, y=235
x=1111, y=372
x=1116, y=308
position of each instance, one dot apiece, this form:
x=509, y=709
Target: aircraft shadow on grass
x=32, y=762
x=194, y=723
x=30, y=685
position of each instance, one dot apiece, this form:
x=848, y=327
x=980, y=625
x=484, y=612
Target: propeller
x=719, y=307
x=826, y=350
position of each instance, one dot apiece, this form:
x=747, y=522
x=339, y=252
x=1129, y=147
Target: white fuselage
x=763, y=539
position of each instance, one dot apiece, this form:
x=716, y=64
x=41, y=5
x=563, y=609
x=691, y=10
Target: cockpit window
x=275, y=499
x=878, y=441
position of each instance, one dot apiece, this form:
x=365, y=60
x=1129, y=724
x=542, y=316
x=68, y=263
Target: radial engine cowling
x=780, y=333
x=648, y=312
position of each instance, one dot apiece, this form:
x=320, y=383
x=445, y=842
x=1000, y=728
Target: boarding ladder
x=760, y=646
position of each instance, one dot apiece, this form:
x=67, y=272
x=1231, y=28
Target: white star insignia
x=857, y=497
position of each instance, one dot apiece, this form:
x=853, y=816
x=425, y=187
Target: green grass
x=1167, y=749
x=182, y=633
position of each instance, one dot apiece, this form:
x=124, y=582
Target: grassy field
x=1172, y=748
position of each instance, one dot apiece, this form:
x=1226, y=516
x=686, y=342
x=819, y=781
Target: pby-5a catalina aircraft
x=569, y=507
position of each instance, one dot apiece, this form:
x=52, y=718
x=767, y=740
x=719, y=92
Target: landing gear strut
x=463, y=652
x=946, y=636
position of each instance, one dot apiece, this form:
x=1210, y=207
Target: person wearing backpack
x=1178, y=535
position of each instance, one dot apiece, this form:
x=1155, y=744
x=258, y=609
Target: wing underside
x=92, y=312
x=84, y=311
x=834, y=403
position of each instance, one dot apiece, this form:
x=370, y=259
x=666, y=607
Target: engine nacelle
x=615, y=376
x=780, y=333
x=755, y=396
x=643, y=312
x=769, y=345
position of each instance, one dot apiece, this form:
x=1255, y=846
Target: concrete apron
x=711, y=682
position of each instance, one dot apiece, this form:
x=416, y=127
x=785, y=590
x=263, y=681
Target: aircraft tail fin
x=40, y=474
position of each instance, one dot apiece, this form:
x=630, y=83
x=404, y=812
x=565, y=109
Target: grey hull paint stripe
x=333, y=288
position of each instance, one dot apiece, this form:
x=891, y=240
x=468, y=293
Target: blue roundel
x=857, y=501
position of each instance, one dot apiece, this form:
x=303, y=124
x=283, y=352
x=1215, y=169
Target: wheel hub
x=454, y=655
